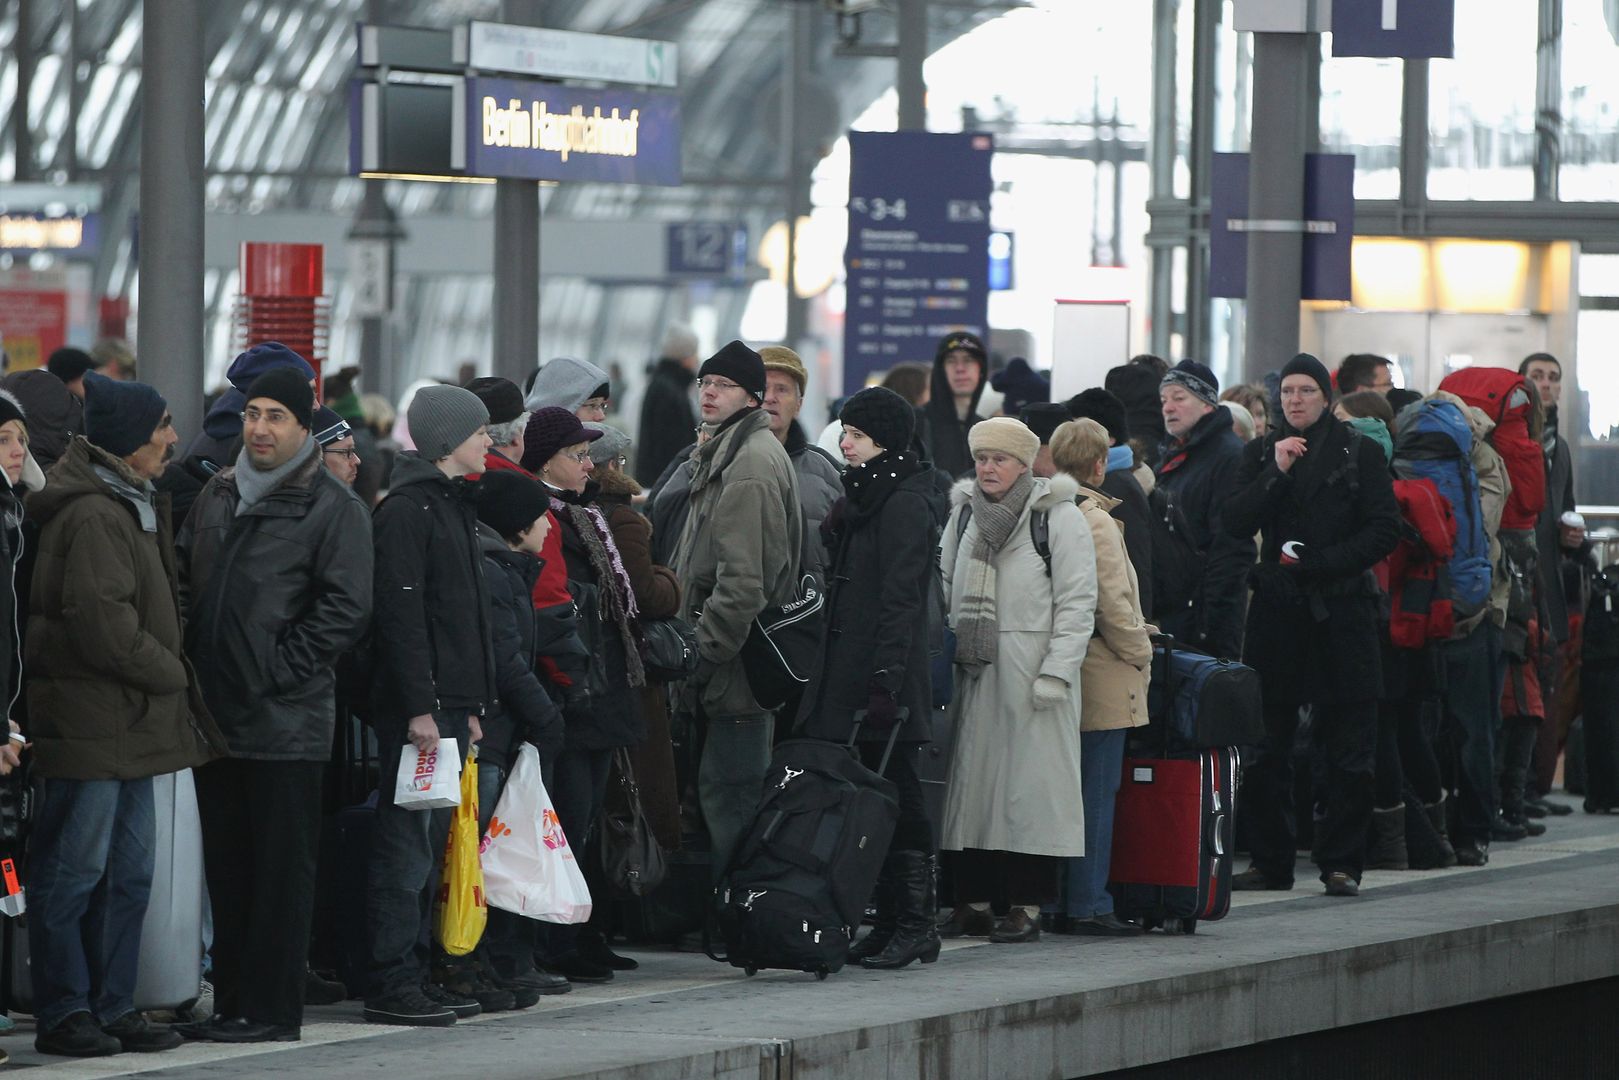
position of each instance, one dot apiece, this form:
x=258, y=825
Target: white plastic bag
x=429, y=781
x=528, y=865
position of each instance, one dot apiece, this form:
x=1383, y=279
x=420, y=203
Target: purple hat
x=549, y=430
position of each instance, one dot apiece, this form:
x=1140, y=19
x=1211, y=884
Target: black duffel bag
x=1206, y=702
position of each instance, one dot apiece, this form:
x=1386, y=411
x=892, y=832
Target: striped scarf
x=976, y=629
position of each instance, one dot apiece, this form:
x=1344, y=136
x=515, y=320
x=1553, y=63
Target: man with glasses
x=738, y=554
x=336, y=441
x=1323, y=496
x=275, y=572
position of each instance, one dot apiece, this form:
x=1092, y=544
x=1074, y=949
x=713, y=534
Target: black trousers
x=1405, y=751
x=1003, y=878
x=1345, y=739
x=914, y=831
x=578, y=794
x=260, y=842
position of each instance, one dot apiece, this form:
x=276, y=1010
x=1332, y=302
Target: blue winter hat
x=120, y=417
x=261, y=358
x=1020, y=385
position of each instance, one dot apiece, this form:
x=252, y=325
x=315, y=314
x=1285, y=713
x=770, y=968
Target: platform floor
x=1544, y=913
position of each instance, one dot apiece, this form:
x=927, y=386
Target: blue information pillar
x=918, y=240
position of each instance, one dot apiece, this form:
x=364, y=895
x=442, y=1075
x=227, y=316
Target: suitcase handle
x=902, y=714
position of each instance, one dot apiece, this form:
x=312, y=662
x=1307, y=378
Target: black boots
x=884, y=903
x=1427, y=845
x=916, y=903
x=1518, y=735
x=1387, y=850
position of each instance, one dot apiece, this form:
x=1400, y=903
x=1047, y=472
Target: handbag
x=669, y=649
x=632, y=862
x=784, y=644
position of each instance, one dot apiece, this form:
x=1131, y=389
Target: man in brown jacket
x=112, y=702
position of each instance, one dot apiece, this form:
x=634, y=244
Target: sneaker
x=1473, y=853
x=470, y=983
x=576, y=968
x=77, y=1036
x=240, y=1029
x=1253, y=879
x=464, y=1006
x=7, y=1024
x=137, y=1036
x=1339, y=883
x=409, y=1006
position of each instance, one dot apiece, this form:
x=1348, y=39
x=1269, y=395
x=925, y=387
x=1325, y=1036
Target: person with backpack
x=1445, y=440
x=1322, y=496
x=1019, y=572
x=874, y=661
x=1199, y=565
x=1415, y=613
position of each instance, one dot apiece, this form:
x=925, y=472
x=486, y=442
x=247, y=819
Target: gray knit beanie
x=440, y=418
x=612, y=443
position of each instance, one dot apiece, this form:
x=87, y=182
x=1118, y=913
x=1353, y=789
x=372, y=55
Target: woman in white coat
x=1013, y=804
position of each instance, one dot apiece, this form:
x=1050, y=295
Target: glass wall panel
x=1481, y=105
x=1360, y=114
x=1590, y=143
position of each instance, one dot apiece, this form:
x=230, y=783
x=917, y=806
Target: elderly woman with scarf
x=1019, y=570
x=881, y=536
x=556, y=449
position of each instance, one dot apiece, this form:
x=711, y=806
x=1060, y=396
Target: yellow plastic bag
x=462, y=910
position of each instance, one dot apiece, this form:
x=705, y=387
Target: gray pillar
x=22, y=124
x=1205, y=66
x=376, y=220
x=71, y=136
x=913, y=50
x=794, y=160
x=1276, y=195
x=169, y=346
x=1549, y=100
x=517, y=254
x=1161, y=164
x=1414, y=137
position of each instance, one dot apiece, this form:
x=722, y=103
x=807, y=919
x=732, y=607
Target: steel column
x=913, y=51
x=516, y=309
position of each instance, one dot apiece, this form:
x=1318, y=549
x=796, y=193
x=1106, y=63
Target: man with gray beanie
x=1200, y=571
x=729, y=574
x=275, y=572
x=434, y=678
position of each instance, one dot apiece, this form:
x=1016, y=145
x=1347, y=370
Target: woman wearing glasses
x=556, y=449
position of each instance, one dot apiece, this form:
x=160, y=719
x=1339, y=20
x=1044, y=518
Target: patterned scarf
x=617, y=597
x=976, y=629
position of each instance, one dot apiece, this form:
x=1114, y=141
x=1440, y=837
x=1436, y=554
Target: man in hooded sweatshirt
x=960, y=370
x=275, y=564
x=576, y=385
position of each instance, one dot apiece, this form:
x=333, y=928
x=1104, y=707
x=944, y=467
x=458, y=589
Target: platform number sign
x=1404, y=28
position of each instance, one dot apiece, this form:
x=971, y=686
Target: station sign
x=529, y=130
x=1328, y=226
x=569, y=54
x=1405, y=28
x=916, y=264
x=706, y=249
x=67, y=234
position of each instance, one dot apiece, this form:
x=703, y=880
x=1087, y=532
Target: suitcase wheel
x=1148, y=922
x=1188, y=926
x=750, y=972
x=820, y=976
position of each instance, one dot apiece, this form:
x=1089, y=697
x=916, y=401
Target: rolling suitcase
x=797, y=885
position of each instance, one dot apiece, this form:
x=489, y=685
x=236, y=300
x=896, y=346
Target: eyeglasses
x=712, y=383
x=274, y=416
x=352, y=455
x=581, y=456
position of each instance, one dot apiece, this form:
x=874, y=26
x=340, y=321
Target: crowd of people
x=485, y=568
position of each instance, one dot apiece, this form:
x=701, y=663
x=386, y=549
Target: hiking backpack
x=1507, y=398
x=1436, y=444
x=1421, y=607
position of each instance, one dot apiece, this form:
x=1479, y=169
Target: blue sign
x=707, y=249
x=1328, y=226
x=1408, y=28
x=918, y=239
x=528, y=130
x=1001, y=247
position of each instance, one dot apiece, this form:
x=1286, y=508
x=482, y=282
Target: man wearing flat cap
x=275, y=565
x=737, y=555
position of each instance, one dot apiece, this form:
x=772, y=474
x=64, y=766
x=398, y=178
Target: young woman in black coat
x=882, y=536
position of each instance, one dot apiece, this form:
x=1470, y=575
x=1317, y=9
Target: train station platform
x=1543, y=915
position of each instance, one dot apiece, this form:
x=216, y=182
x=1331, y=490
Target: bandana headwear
x=1196, y=379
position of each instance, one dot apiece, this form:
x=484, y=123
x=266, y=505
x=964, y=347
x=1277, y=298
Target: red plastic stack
x=282, y=299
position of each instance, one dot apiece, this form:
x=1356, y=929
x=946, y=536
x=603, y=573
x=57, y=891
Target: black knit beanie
x=289, y=387
x=1106, y=409
x=509, y=502
x=1305, y=364
x=882, y=414
x=741, y=365
x=1043, y=418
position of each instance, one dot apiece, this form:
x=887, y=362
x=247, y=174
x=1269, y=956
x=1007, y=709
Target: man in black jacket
x=435, y=678
x=668, y=413
x=1200, y=569
x=275, y=565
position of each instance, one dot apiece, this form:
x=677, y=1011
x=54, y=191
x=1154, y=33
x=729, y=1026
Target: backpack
x=1039, y=531
x=1506, y=398
x=1435, y=443
x=1421, y=608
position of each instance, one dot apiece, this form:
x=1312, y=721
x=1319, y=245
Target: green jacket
x=111, y=695
x=737, y=555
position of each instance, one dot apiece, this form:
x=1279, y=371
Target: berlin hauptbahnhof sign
x=530, y=130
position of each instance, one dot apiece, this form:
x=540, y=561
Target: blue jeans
x=407, y=849
x=90, y=867
x=1101, y=767
x=736, y=753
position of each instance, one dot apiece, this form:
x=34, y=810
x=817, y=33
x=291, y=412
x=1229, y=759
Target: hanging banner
x=34, y=313
x=527, y=130
x=918, y=236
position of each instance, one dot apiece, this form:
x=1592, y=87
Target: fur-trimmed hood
x=1046, y=494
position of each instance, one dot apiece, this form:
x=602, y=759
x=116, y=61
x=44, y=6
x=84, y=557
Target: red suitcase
x=1173, y=835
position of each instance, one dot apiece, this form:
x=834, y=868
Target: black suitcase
x=1599, y=691
x=797, y=885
